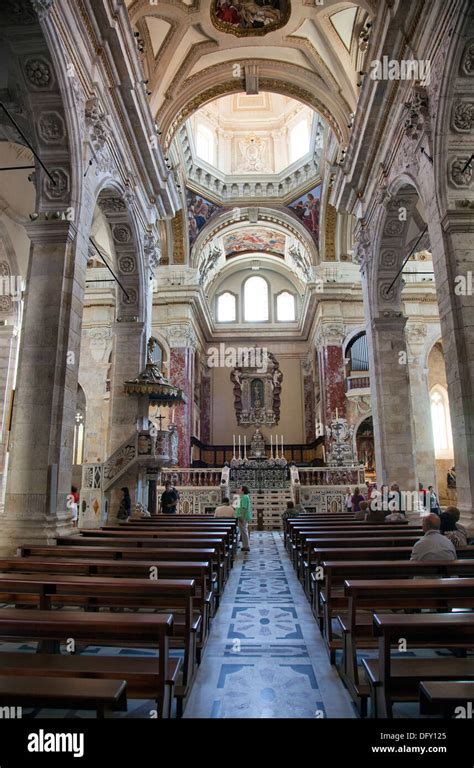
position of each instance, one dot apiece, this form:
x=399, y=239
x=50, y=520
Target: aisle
x=265, y=657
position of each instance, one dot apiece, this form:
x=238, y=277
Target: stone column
x=127, y=361
x=39, y=474
x=391, y=401
x=182, y=341
x=308, y=400
x=331, y=371
x=206, y=408
x=421, y=406
x=453, y=263
x=8, y=359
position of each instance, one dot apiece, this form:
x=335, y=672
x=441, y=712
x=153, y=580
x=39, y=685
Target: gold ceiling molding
x=330, y=233
x=266, y=84
x=178, y=238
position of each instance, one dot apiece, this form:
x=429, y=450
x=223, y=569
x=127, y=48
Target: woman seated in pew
x=451, y=527
x=362, y=512
x=374, y=515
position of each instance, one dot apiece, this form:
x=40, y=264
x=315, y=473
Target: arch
x=390, y=245
x=127, y=251
x=281, y=220
x=275, y=77
x=351, y=335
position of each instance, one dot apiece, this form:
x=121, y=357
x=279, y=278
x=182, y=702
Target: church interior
x=236, y=307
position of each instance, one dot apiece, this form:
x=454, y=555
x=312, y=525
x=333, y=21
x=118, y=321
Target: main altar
x=256, y=469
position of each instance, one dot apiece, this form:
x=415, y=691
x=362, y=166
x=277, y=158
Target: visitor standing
x=244, y=515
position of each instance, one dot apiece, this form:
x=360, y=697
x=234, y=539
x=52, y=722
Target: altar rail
x=202, y=478
x=314, y=476
x=331, y=475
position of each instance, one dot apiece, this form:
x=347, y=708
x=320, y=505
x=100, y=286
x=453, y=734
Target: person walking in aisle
x=244, y=515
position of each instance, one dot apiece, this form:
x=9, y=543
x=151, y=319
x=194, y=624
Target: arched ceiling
x=315, y=57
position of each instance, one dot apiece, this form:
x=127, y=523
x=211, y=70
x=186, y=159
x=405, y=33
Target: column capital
x=330, y=335
x=43, y=231
x=389, y=320
x=459, y=220
x=182, y=335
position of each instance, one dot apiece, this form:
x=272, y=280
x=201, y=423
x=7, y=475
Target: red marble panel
x=206, y=410
x=182, y=374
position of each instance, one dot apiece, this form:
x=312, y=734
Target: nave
x=265, y=657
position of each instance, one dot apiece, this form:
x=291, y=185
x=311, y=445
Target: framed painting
x=246, y=18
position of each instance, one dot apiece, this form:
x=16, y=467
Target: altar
x=257, y=470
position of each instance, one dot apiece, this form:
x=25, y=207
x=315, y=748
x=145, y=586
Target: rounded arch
x=274, y=76
x=44, y=107
x=281, y=220
x=351, y=336
x=131, y=295
x=396, y=230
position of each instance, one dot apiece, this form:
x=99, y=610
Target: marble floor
x=265, y=657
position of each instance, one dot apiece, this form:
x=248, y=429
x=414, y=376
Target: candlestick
x=239, y=446
x=282, y=448
x=337, y=414
x=245, y=447
x=271, y=446
x=324, y=455
x=172, y=415
x=233, y=446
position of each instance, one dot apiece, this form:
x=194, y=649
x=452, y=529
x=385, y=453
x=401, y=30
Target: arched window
x=205, y=143
x=226, y=308
x=441, y=422
x=255, y=300
x=299, y=140
x=286, y=310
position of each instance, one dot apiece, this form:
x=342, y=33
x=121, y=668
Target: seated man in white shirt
x=224, y=510
x=433, y=545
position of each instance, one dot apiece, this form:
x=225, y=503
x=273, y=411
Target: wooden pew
x=138, y=544
x=318, y=554
x=350, y=540
x=393, y=680
x=147, y=678
x=443, y=698
x=365, y=596
x=118, y=553
x=64, y=693
x=305, y=539
x=201, y=572
x=332, y=599
x=162, y=595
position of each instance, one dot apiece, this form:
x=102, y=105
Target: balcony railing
x=357, y=382
x=197, y=478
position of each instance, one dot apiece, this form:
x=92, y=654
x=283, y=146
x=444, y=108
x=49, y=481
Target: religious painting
x=246, y=18
x=200, y=211
x=254, y=240
x=307, y=209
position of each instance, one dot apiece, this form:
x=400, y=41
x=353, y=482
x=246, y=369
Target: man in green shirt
x=244, y=515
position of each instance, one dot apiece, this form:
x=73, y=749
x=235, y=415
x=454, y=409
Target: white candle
x=324, y=455
x=233, y=446
x=271, y=446
x=172, y=415
x=239, y=446
x=282, y=451
x=337, y=414
x=245, y=446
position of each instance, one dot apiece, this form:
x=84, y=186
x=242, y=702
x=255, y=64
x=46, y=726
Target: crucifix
x=160, y=419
